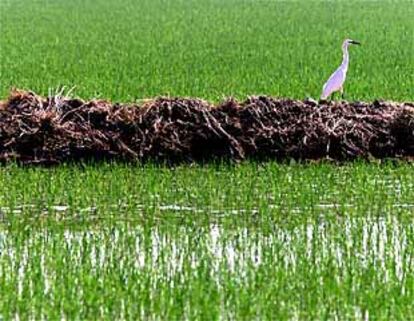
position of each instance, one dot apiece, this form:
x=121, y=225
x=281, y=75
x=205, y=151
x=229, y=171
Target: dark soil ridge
x=52, y=130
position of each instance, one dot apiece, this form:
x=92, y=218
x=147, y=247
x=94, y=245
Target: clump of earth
x=52, y=130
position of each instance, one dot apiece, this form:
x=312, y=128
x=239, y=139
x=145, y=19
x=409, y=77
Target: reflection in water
x=341, y=247
x=367, y=242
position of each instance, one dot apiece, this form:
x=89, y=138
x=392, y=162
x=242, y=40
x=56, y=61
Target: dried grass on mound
x=40, y=130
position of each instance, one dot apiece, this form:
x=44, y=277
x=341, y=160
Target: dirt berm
x=41, y=130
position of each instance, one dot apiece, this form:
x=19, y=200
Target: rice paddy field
x=215, y=241
x=128, y=49
x=251, y=241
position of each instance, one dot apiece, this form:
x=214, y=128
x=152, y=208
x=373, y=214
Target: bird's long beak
x=355, y=42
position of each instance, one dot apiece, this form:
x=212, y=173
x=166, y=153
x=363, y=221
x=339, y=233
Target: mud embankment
x=52, y=130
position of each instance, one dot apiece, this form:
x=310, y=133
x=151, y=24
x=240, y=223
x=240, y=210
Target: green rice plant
x=127, y=50
x=219, y=241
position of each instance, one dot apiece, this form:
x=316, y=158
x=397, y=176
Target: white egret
x=337, y=79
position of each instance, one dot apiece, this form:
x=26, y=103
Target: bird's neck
x=345, y=59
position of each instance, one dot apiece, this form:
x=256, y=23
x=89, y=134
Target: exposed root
x=40, y=130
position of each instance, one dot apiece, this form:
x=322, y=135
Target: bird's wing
x=334, y=83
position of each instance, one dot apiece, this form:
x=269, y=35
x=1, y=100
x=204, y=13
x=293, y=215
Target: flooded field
x=249, y=241
x=209, y=242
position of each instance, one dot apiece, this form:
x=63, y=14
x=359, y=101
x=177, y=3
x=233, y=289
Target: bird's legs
x=342, y=92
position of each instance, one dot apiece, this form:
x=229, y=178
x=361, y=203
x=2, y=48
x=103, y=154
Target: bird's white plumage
x=337, y=79
x=334, y=83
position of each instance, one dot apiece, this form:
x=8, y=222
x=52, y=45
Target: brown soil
x=40, y=130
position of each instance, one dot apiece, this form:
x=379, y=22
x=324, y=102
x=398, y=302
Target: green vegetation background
x=127, y=49
x=206, y=242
